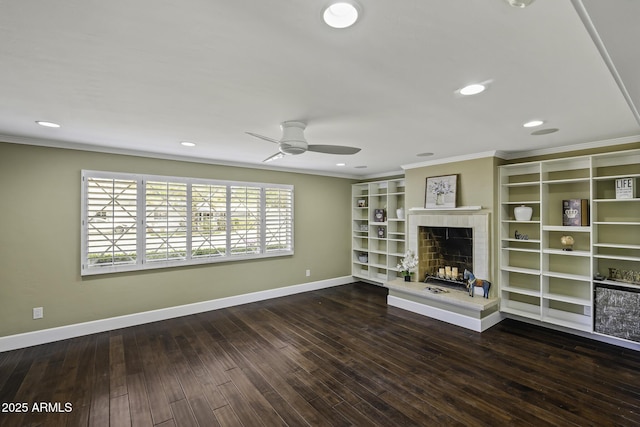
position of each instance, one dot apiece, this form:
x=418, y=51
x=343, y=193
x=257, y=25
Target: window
x=134, y=222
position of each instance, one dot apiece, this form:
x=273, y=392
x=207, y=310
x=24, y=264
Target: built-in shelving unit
x=539, y=278
x=378, y=242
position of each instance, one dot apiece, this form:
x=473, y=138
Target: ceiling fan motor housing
x=293, y=141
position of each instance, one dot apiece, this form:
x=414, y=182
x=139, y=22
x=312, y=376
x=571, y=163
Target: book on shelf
x=575, y=212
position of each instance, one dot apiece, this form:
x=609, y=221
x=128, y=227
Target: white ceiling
x=141, y=76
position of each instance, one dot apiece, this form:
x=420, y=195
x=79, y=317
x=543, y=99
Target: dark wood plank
x=337, y=356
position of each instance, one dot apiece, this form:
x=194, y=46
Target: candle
x=441, y=272
x=454, y=273
x=447, y=272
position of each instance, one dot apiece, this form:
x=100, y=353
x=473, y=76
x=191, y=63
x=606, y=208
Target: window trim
x=141, y=215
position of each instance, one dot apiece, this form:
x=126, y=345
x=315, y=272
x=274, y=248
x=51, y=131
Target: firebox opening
x=444, y=249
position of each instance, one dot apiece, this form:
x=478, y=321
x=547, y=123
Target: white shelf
x=521, y=291
x=526, y=202
x=565, y=228
x=521, y=250
x=612, y=177
x=567, y=253
x=460, y=208
x=384, y=252
x=565, y=181
x=511, y=239
x=618, y=257
x=616, y=246
x=617, y=222
x=568, y=276
x=521, y=270
x=522, y=184
x=566, y=298
x=616, y=200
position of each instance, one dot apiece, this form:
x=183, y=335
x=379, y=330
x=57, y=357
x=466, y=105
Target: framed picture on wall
x=440, y=192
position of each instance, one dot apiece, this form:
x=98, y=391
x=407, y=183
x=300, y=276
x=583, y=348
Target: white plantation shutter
x=208, y=220
x=166, y=221
x=134, y=222
x=278, y=219
x=245, y=220
x=110, y=222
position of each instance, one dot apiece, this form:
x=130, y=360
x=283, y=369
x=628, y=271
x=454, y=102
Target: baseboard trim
x=478, y=325
x=28, y=339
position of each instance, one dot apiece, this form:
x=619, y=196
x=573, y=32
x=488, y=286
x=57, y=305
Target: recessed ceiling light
x=424, y=154
x=520, y=3
x=533, y=123
x=545, y=131
x=341, y=14
x=47, y=124
x=341, y=164
x=187, y=144
x=473, y=89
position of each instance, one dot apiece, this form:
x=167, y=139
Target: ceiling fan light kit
x=293, y=142
x=520, y=3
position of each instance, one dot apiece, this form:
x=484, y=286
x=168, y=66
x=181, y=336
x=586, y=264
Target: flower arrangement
x=408, y=263
x=439, y=187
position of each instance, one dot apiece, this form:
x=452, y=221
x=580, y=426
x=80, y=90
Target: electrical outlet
x=38, y=312
x=308, y=273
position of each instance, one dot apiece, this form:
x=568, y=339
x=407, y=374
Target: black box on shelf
x=575, y=212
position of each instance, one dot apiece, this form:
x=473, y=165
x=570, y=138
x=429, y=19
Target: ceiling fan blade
x=266, y=138
x=333, y=149
x=274, y=157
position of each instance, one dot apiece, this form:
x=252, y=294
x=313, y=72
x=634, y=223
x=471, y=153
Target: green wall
x=40, y=241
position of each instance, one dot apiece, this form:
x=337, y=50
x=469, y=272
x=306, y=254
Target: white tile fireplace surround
x=479, y=223
x=453, y=306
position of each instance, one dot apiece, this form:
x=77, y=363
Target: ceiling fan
x=293, y=142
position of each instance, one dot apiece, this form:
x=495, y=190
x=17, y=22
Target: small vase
x=407, y=278
x=400, y=213
x=523, y=213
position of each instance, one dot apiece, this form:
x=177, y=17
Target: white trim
x=461, y=158
x=575, y=147
x=44, y=336
x=478, y=325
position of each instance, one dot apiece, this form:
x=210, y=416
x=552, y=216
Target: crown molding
x=482, y=155
x=575, y=147
x=50, y=143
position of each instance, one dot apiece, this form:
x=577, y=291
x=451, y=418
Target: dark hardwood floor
x=334, y=357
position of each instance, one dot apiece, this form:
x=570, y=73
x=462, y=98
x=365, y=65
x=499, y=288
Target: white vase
x=400, y=213
x=523, y=213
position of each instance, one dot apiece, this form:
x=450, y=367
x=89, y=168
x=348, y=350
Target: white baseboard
x=29, y=339
x=478, y=325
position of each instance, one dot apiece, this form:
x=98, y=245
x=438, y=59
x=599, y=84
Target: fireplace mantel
x=459, y=208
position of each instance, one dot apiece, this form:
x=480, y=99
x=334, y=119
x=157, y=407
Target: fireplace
x=444, y=253
x=455, y=241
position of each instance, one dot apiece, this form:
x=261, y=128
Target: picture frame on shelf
x=362, y=203
x=379, y=215
x=440, y=192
